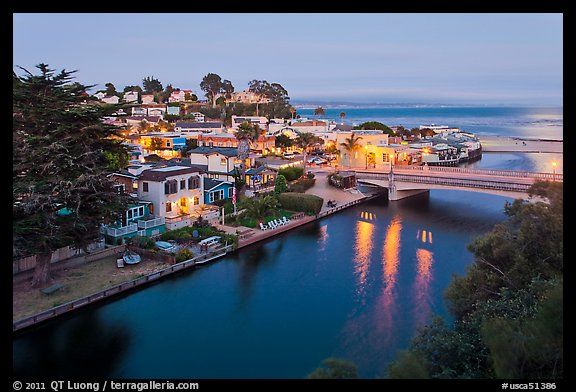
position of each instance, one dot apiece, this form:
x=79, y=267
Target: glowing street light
x=554, y=164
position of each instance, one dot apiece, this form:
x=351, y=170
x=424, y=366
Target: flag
x=234, y=195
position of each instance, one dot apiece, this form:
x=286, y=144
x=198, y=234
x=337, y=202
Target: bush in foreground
x=183, y=255
x=301, y=202
x=291, y=173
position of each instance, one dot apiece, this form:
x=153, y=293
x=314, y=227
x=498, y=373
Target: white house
x=131, y=96
x=176, y=193
x=139, y=111
x=218, y=161
x=193, y=127
x=262, y=122
x=111, y=100
x=100, y=95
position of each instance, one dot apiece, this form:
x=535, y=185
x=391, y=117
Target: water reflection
x=363, y=250
x=83, y=346
x=322, y=237
x=385, y=311
x=422, y=298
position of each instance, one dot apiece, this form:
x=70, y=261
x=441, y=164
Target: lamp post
x=391, y=161
x=366, y=157
x=554, y=164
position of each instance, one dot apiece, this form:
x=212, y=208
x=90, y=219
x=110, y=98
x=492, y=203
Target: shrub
x=248, y=222
x=280, y=184
x=302, y=185
x=302, y=202
x=291, y=173
x=144, y=242
x=183, y=255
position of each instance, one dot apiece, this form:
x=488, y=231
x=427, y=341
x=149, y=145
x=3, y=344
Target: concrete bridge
x=406, y=181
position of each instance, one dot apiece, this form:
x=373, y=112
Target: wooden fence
x=64, y=254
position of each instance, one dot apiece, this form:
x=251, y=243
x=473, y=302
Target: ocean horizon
x=517, y=121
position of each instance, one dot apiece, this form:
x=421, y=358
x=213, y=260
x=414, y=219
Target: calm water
x=545, y=123
x=354, y=285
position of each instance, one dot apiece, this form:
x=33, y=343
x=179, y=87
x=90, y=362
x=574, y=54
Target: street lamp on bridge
x=554, y=164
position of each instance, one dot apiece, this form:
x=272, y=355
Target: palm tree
x=319, y=111
x=292, y=112
x=259, y=208
x=305, y=140
x=351, y=144
x=246, y=134
x=342, y=115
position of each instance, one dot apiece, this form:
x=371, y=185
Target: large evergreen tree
x=62, y=154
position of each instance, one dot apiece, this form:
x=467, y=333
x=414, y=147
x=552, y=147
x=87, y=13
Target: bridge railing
x=440, y=169
x=487, y=172
x=466, y=183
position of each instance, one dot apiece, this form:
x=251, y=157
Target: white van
x=210, y=241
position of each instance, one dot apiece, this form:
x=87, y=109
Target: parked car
x=288, y=155
x=320, y=161
x=210, y=241
x=165, y=246
x=311, y=160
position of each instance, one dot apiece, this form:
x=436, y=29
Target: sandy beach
x=514, y=144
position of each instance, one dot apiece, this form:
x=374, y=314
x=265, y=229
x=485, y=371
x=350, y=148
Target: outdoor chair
x=263, y=227
x=285, y=220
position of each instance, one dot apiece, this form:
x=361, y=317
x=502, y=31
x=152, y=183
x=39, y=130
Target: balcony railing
x=146, y=224
x=116, y=232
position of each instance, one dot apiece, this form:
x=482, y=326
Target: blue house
x=215, y=190
x=135, y=221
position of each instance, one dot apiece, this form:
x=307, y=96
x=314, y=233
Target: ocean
x=530, y=122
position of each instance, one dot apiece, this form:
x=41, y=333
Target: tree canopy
x=151, y=85
x=213, y=85
x=507, y=309
x=375, y=125
x=62, y=154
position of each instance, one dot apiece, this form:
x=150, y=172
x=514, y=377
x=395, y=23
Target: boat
x=131, y=257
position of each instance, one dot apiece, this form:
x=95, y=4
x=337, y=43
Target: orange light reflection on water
x=363, y=250
x=425, y=258
x=390, y=262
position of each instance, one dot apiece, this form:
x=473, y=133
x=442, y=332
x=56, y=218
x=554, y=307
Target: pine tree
x=61, y=158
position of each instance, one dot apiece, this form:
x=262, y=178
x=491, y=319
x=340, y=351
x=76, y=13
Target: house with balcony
x=137, y=220
x=219, y=161
x=175, y=192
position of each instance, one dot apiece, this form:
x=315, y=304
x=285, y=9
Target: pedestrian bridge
x=406, y=181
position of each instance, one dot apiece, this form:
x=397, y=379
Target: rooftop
x=227, y=151
x=163, y=173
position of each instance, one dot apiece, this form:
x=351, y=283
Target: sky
x=499, y=59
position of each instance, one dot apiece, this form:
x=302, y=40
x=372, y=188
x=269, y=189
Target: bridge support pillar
x=394, y=194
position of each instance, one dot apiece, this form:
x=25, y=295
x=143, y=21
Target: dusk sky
x=377, y=58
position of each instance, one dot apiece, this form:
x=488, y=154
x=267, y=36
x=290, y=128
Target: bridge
x=406, y=181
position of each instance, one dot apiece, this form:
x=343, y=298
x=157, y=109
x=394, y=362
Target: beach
x=516, y=144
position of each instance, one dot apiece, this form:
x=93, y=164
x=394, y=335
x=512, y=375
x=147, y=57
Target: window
x=183, y=202
x=170, y=187
x=193, y=183
x=129, y=214
x=182, y=184
x=167, y=144
x=141, y=211
x=119, y=188
x=230, y=191
x=168, y=207
x=196, y=200
x=216, y=195
x=151, y=208
x=144, y=187
x=223, y=161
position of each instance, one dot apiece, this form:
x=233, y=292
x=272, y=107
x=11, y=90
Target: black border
x=424, y=7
